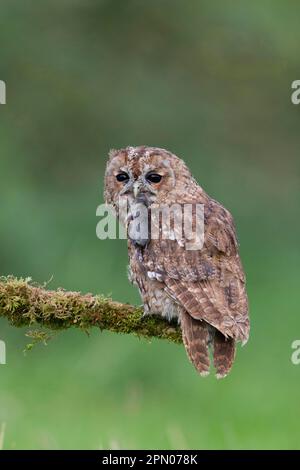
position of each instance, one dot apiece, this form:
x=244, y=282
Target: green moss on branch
x=25, y=304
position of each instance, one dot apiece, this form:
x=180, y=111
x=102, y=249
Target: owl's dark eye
x=153, y=178
x=122, y=177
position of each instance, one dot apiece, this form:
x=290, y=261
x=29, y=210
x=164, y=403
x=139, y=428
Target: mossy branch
x=26, y=304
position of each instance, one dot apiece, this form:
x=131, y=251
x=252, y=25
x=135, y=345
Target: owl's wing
x=209, y=283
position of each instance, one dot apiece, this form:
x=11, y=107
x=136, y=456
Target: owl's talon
x=147, y=314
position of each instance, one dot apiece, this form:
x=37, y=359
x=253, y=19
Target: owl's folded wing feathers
x=208, y=283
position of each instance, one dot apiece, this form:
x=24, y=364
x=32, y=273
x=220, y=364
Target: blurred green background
x=210, y=81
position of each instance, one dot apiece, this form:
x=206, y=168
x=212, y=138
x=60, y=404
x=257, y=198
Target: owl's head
x=145, y=174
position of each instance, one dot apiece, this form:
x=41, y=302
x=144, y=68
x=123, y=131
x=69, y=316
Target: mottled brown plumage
x=203, y=288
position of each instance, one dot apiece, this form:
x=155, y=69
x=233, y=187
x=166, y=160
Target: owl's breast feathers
x=209, y=283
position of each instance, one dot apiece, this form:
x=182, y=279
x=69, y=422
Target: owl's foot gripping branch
x=24, y=303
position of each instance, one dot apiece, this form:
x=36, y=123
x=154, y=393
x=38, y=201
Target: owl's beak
x=136, y=188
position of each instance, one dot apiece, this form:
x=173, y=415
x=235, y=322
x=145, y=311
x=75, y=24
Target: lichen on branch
x=25, y=304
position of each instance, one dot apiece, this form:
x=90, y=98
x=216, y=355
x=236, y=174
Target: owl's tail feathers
x=195, y=335
x=224, y=352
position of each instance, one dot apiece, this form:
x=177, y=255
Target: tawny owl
x=203, y=287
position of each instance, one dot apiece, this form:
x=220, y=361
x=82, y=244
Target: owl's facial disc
x=141, y=175
x=140, y=187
